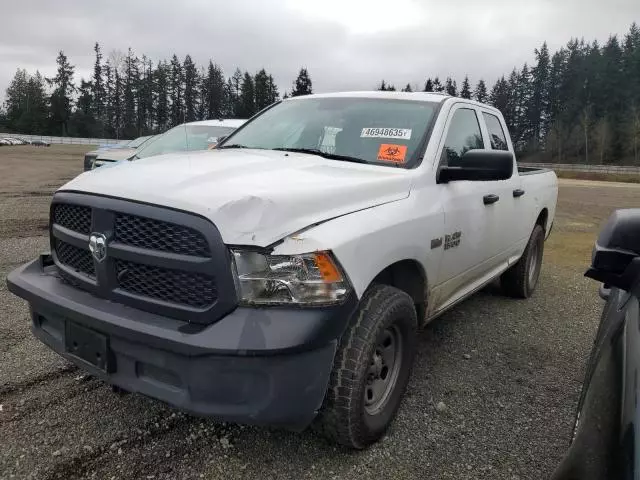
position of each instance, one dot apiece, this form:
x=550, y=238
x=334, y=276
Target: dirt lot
x=508, y=371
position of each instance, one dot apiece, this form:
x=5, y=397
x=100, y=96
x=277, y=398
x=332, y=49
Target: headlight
x=313, y=278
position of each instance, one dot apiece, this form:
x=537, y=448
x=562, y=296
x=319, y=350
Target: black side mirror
x=478, y=165
x=616, y=256
x=221, y=139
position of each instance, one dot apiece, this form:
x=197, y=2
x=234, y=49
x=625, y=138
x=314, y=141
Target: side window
x=464, y=134
x=496, y=133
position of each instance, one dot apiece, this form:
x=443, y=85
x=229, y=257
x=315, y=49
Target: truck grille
x=75, y=258
x=175, y=286
x=158, y=235
x=73, y=217
x=159, y=260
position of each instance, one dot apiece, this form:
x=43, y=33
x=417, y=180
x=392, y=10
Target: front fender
x=368, y=241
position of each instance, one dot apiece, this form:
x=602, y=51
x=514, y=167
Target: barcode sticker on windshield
x=376, y=132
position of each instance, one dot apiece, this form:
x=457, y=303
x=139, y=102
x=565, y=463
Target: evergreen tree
x=117, y=103
x=262, y=95
x=16, y=98
x=450, y=87
x=97, y=85
x=465, y=91
x=407, y=88
x=85, y=98
x=499, y=96
x=537, y=110
x=161, y=94
x=480, y=93
x=202, y=95
x=176, y=89
x=26, y=104
x=63, y=88
x=234, y=89
x=615, y=99
x=428, y=86
x=109, y=87
x=190, y=89
x=247, y=97
x=129, y=87
x=302, y=84
x=34, y=118
x=272, y=91
x=215, y=92
x=144, y=99
x=437, y=86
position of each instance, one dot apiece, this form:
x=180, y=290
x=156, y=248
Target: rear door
x=511, y=217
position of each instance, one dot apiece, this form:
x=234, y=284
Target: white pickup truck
x=281, y=279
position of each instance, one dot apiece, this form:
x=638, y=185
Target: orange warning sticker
x=392, y=153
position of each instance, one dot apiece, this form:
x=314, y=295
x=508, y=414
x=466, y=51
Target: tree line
x=129, y=96
x=580, y=103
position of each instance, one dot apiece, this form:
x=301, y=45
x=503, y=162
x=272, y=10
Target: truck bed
x=531, y=170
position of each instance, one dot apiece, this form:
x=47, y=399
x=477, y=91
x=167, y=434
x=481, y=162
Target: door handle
x=518, y=192
x=491, y=198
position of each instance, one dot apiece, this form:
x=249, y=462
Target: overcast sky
x=345, y=44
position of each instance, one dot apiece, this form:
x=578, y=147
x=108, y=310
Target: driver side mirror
x=220, y=140
x=615, y=260
x=478, y=165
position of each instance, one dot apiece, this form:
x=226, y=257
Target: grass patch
x=598, y=176
x=570, y=249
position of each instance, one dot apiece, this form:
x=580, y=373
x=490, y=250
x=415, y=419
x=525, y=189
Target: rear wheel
x=371, y=369
x=521, y=280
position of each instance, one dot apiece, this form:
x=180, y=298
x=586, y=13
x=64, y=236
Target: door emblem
x=98, y=246
x=453, y=240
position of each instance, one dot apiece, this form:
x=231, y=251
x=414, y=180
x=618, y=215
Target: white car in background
x=14, y=141
x=125, y=148
x=200, y=135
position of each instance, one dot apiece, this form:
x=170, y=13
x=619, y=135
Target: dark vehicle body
x=603, y=444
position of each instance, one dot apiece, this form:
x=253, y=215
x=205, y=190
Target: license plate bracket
x=88, y=345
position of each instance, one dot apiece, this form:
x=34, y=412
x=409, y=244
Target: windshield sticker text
x=403, y=133
x=392, y=153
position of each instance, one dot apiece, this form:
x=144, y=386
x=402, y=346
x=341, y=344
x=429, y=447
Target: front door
x=473, y=221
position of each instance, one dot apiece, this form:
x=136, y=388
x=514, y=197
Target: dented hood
x=254, y=197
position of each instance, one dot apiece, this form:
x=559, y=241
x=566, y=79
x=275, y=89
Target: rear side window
x=496, y=133
x=464, y=134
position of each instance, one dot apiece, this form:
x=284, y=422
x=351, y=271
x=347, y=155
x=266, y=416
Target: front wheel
x=521, y=280
x=371, y=369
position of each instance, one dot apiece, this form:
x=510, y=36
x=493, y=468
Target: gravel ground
x=492, y=393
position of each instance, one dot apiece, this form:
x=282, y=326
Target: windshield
x=136, y=142
x=184, y=138
x=372, y=130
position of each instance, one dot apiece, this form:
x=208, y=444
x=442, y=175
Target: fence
x=624, y=169
x=64, y=140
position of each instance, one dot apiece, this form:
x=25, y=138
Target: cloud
x=345, y=44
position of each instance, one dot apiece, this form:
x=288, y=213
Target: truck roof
x=437, y=97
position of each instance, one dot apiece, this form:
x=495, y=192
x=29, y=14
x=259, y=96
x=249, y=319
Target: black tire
x=521, y=280
x=346, y=417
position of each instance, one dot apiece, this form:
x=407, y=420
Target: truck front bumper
x=256, y=365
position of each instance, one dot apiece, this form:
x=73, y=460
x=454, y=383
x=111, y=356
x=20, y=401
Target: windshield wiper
x=234, y=145
x=320, y=153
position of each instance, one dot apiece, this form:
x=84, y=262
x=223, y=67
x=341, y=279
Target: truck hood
x=254, y=197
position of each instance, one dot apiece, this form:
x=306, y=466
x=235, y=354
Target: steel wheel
x=383, y=370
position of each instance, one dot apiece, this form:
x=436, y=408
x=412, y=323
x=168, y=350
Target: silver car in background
x=192, y=136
